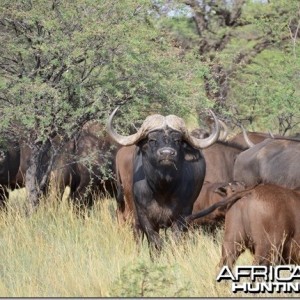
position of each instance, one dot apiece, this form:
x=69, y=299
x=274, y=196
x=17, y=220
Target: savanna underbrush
x=54, y=253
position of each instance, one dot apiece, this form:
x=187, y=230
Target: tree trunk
x=37, y=173
x=216, y=85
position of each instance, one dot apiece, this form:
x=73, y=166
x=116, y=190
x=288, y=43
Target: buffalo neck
x=161, y=178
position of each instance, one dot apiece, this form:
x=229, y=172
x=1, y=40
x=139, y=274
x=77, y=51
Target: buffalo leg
x=138, y=233
x=3, y=197
x=178, y=228
x=231, y=250
x=151, y=231
x=262, y=254
x=272, y=252
x=120, y=205
x=82, y=196
x=154, y=240
x=123, y=211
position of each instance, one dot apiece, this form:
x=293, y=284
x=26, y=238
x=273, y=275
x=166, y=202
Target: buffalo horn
x=225, y=131
x=204, y=143
x=271, y=134
x=152, y=122
x=247, y=140
x=155, y=122
x=120, y=139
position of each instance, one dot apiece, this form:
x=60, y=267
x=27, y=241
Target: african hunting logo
x=262, y=279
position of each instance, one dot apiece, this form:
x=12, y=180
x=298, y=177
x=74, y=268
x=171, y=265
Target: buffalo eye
x=152, y=142
x=177, y=142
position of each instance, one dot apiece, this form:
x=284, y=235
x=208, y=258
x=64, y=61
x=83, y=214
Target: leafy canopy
x=63, y=63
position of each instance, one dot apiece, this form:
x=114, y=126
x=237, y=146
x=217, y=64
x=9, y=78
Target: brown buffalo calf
x=210, y=194
x=265, y=220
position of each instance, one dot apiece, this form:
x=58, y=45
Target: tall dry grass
x=53, y=253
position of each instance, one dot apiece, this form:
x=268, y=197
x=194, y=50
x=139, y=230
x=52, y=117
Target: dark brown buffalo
x=86, y=165
x=9, y=166
x=13, y=167
x=249, y=139
x=265, y=220
x=168, y=171
x=255, y=137
x=220, y=158
x=271, y=161
x=210, y=194
x=14, y=159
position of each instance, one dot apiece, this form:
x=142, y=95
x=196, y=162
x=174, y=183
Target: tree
x=268, y=93
x=231, y=37
x=64, y=63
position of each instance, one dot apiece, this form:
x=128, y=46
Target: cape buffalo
x=86, y=165
x=210, y=194
x=220, y=158
x=14, y=158
x=263, y=219
x=271, y=161
x=124, y=168
x=9, y=166
x=249, y=139
x=168, y=172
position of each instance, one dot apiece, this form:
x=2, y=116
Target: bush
x=142, y=280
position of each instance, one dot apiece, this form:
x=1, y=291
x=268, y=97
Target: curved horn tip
x=111, y=117
x=204, y=143
x=120, y=139
x=217, y=123
x=225, y=131
x=114, y=111
x=212, y=112
x=247, y=140
x=271, y=134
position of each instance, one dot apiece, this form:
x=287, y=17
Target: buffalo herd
x=85, y=164
x=163, y=176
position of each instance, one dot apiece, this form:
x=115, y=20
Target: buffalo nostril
x=167, y=152
x=172, y=152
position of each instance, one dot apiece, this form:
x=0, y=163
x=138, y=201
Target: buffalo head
x=163, y=147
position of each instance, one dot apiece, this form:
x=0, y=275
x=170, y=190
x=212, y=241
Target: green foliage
x=144, y=280
x=64, y=63
x=250, y=63
x=268, y=92
x=272, y=19
x=181, y=29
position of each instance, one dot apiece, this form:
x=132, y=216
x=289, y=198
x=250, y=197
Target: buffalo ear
x=221, y=191
x=190, y=154
x=142, y=144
